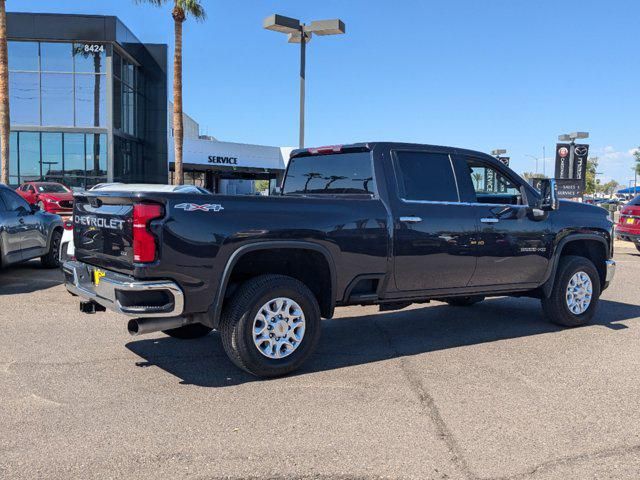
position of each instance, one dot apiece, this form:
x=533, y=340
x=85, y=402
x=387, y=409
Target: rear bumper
x=628, y=234
x=123, y=294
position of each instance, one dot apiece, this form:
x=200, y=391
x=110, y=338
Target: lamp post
x=300, y=33
x=536, y=159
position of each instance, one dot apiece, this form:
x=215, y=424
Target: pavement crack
x=572, y=460
x=430, y=408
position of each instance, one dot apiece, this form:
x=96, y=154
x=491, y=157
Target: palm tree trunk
x=5, y=126
x=178, y=128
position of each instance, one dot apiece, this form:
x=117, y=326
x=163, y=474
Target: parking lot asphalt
x=491, y=391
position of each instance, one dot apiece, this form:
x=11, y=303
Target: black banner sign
x=571, y=169
x=580, y=155
x=563, y=151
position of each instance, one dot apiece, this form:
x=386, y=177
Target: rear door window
x=425, y=176
x=341, y=173
x=13, y=201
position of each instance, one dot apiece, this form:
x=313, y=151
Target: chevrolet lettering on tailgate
x=99, y=222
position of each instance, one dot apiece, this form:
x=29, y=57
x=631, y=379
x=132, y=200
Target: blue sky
x=481, y=74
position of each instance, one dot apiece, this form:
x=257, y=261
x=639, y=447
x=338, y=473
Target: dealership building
x=89, y=104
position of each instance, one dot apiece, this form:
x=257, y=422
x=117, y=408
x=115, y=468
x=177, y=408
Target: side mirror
x=548, y=195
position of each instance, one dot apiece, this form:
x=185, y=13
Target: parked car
x=628, y=227
x=67, y=249
x=372, y=223
x=49, y=196
x=26, y=232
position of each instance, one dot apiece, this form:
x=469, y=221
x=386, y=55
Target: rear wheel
x=52, y=258
x=271, y=325
x=575, y=293
x=189, y=332
x=465, y=301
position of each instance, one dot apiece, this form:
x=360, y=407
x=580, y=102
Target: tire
x=52, y=259
x=556, y=306
x=464, y=301
x=189, y=332
x=241, y=315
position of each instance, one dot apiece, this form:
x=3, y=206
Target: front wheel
x=271, y=325
x=575, y=293
x=52, y=258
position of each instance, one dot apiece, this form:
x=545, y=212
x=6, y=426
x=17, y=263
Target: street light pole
x=300, y=33
x=303, y=67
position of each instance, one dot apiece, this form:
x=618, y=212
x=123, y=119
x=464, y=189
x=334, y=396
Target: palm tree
x=181, y=10
x=5, y=125
x=477, y=176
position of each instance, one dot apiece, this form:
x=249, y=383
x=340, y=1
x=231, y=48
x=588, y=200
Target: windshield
x=341, y=173
x=52, y=188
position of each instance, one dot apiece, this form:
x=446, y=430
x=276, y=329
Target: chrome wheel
x=278, y=328
x=579, y=293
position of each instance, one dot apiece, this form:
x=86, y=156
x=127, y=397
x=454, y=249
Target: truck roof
x=368, y=146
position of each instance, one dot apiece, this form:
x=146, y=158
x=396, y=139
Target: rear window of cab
x=341, y=173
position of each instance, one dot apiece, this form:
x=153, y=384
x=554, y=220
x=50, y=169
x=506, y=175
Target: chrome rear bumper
x=113, y=287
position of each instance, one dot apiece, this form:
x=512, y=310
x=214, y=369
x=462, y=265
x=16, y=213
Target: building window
x=57, y=84
x=126, y=95
x=75, y=159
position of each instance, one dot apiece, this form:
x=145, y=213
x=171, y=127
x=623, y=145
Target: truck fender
x=547, y=286
x=268, y=245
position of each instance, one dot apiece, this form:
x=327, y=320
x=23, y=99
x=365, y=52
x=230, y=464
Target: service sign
x=569, y=188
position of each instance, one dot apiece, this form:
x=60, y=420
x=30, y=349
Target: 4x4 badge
x=194, y=207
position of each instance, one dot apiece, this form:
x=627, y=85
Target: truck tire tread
x=555, y=306
x=236, y=318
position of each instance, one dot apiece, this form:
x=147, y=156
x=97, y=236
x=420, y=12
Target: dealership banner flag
x=562, y=160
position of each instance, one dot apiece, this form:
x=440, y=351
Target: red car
x=49, y=196
x=628, y=227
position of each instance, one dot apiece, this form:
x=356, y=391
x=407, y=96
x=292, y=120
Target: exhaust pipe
x=142, y=326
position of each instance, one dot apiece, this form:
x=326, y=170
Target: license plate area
x=97, y=275
x=630, y=220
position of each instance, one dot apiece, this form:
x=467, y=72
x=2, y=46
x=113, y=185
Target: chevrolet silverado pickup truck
x=386, y=224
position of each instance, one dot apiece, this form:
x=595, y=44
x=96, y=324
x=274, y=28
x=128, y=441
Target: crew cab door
x=513, y=246
x=433, y=231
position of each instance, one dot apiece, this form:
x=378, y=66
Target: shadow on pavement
x=28, y=277
x=358, y=340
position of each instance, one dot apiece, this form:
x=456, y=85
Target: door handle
x=489, y=220
x=411, y=219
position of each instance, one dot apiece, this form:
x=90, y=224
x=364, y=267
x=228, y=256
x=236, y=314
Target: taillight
x=68, y=225
x=144, y=242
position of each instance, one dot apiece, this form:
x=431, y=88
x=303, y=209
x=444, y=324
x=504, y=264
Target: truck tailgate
x=103, y=231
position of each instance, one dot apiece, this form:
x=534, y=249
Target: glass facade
x=75, y=159
x=57, y=84
x=85, y=111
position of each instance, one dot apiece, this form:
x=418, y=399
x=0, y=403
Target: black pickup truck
x=371, y=223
